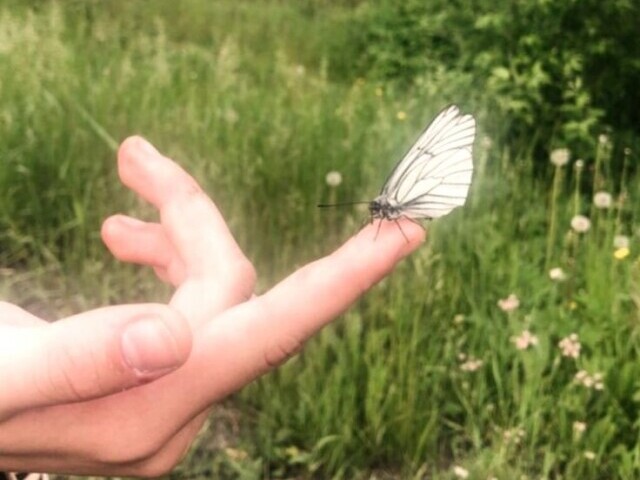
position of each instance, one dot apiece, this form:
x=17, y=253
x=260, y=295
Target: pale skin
x=123, y=390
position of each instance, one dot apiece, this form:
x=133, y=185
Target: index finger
x=154, y=177
x=253, y=337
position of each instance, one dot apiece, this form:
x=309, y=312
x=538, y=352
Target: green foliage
x=554, y=72
x=257, y=102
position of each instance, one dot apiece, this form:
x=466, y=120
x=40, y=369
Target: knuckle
x=241, y=277
x=282, y=350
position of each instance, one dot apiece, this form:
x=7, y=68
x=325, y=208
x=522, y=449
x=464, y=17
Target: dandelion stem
x=576, y=193
x=551, y=237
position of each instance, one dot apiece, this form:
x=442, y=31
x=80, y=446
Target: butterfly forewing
x=434, y=176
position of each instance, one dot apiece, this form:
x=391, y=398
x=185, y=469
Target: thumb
x=90, y=355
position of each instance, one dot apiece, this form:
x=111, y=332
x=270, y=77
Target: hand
x=144, y=431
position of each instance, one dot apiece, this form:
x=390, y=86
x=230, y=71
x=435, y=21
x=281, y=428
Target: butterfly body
x=383, y=208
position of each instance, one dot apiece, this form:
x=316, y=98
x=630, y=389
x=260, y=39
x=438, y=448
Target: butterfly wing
x=434, y=176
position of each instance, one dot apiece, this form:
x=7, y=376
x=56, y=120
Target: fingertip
x=115, y=227
x=133, y=150
x=109, y=227
x=164, y=342
x=385, y=239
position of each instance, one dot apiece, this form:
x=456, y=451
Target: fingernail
x=147, y=148
x=149, y=348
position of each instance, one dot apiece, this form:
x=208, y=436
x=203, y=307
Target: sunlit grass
x=429, y=371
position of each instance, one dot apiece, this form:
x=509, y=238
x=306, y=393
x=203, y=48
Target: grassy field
x=438, y=371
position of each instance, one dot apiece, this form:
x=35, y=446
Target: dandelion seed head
x=460, y=472
x=621, y=241
x=627, y=151
x=401, y=115
x=509, y=304
x=557, y=274
x=579, y=165
x=580, y=224
x=579, y=428
x=560, y=156
x=333, y=178
x=458, y=319
x=486, y=142
x=603, y=139
x=589, y=455
x=602, y=200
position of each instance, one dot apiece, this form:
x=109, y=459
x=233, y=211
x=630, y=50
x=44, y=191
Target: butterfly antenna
x=341, y=204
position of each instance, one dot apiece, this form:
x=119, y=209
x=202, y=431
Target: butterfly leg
x=378, y=229
x=401, y=231
x=415, y=221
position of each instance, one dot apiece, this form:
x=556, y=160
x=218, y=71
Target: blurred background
x=506, y=348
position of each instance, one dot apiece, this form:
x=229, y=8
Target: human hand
x=145, y=430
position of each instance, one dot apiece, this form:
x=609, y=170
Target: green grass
x=244, y=96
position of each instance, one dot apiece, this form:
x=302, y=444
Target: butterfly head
x=382, y=207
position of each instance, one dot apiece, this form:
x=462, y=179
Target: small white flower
x=471, y=365
x=486, y=142
x=333, y=178
x=587, y=380
x=300, y=70
x=627, y=151
x=580, y=224
x=603, y=139
x=513, y=435
x=557, y=274
x=589, y=455
x=602, y=200
x=570, y=346
x=460, y=472
x=560, y=156
x=621, y=241
x=510, y=303
x=579, y=165
x=525, y=340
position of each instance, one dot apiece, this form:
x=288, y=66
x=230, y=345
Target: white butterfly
x=434, y=176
